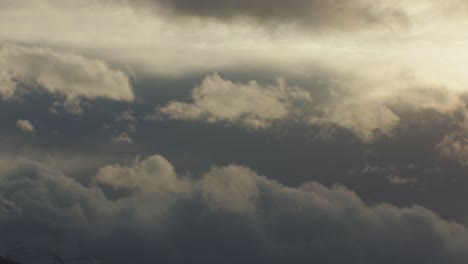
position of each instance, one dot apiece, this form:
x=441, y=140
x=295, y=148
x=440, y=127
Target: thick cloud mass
x=230, y=215
x=68, y=75
x=355, y=14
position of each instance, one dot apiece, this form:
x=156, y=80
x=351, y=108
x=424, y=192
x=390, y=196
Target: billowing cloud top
x=232, y=213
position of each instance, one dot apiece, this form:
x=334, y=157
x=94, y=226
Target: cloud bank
x=150, y=213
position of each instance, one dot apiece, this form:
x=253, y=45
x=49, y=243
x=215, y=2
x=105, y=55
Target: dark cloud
x=229, y=215
x=342, y=15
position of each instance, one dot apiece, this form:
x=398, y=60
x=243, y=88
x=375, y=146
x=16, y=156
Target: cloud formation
x=232, y=214
x=25, y=126
x=250, y=104
x=70, y=76
x=342, y=15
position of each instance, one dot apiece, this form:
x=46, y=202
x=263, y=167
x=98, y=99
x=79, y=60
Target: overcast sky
x=234, y=131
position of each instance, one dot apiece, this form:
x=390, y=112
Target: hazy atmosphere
x=234, y=131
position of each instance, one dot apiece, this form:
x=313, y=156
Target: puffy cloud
x=345, y=15
x=153, y=174
x=70, y=76
x=25, y=126
x=250, y=104
x=232, y=214
x=231, y=188
x=365, y=107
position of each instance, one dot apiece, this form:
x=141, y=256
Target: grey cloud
x=399, y=180
x=67, y=75
x=125, y=121
x=342, y=15
x=231, y=213
x=454, y=146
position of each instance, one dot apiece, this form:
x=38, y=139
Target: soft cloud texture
x=70, y=76
x=343, y=15
x=25, y=126
x=250, y=104
x=454, y=146
x=234, y=215
x=365, y=107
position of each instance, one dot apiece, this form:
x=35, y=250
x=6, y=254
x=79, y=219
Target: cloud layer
x=229, y=214
x=346, y=15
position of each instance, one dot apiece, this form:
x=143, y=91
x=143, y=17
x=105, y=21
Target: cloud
x=342, y=15
x=232, y=214
x=454, y=146
x=249, y=104
x=70, y=76
x=25, y=126
x=399, y=180
x=122, y=138
x=125, y=121
x=365, y=107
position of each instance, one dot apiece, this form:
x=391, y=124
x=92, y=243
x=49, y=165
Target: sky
x=234, y=131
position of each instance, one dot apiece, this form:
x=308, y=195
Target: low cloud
x=69, y=76
x=25, y=126
x=233, y=215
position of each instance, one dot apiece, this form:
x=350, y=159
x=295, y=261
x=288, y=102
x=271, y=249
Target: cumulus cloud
x=70, y=76
x=25, y=126
x=250, y=104
x=232, y=213
x=345, y=15
x=366, y=108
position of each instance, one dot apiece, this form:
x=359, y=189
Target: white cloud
x=249, y=104
x=25, y=126
x=68, y=75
